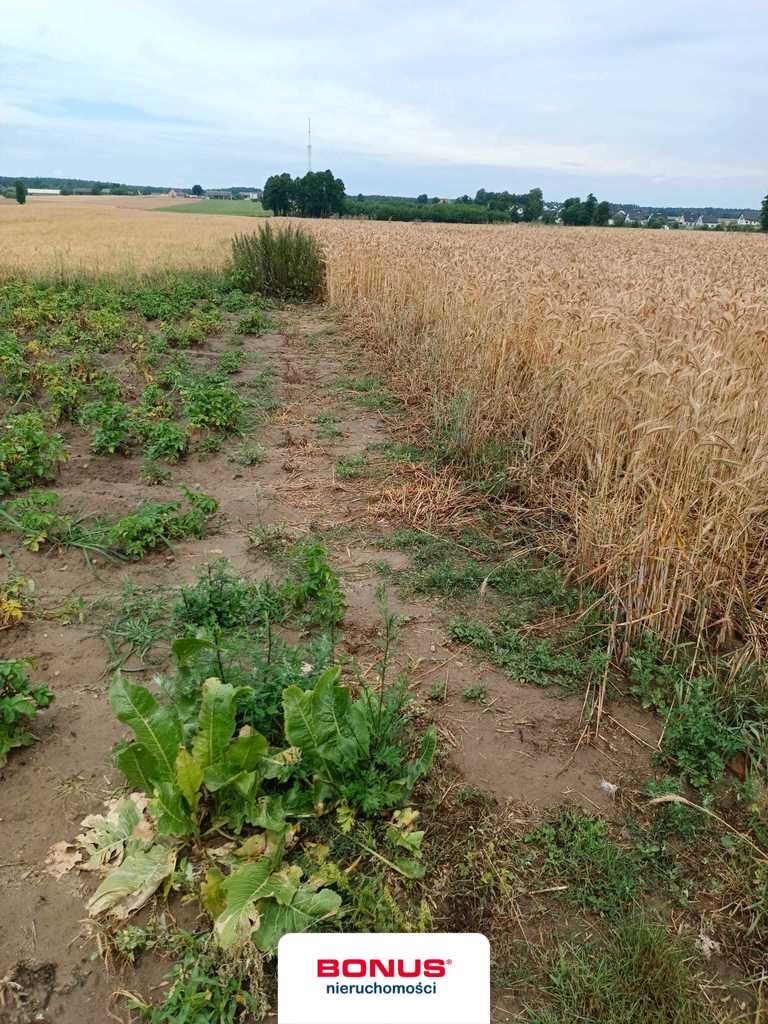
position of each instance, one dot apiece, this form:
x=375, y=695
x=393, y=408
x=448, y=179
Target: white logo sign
x=383, y=979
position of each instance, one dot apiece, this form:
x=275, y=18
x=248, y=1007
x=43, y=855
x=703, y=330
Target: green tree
x=764, y=215
x=318, y=194
x=602, y=213
x=533, y=205
x=423, y=199
x=279, y=193
x=21, y=192
x=571, y=213
x=197, y=190
x=588, y=209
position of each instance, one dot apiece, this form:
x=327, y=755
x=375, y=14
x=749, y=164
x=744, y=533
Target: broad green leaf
x=184, y=648
x=137, y=765
x=238, y=766
x=215, y=724
x=318, y=721
x=220, y=775
x=247, y=751
x=305, y=911
x=243, y=891
x=128, y=887
x=410, y=868
x=157, y=728
x=173, y=817
x=189, y=777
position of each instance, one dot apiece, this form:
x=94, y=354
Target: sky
x=659, y=103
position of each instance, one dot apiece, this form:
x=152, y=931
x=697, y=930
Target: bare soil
x=521, y=744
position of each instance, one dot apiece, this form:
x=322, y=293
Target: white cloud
x=591, y=91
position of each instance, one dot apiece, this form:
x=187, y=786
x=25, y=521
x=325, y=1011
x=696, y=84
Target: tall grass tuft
x=283, y=264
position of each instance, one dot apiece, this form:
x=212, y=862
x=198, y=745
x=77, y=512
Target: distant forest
x=401, y=207
x=106, y=186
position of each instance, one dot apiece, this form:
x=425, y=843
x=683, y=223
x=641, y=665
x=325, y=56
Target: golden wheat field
x=620, y=377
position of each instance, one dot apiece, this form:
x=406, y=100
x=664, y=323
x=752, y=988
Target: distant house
x=745, y=221
x=707, y=221
x=257, y=195
x=43, y=191
x=218, y=193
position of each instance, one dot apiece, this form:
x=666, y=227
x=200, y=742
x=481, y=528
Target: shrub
x=285, y=264
x=27, y=452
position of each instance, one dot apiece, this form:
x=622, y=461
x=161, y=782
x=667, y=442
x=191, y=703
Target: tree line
x=317, y=194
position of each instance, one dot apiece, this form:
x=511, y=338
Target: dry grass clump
x=428, y=499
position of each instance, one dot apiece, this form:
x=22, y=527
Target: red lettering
x=327, y=968
x=434, y=968
x=354, y=968
x=386, y=970
x=404, y=973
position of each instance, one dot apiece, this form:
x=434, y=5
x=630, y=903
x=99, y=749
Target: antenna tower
x=309, y=143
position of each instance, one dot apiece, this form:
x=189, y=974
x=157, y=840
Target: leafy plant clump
x=211, y=404
x=255, y=321
x=284, y=264
x=38, y=518
x=155, y=524
x=164, y=440
x=329, y=776
x=704, y=729
x=112, y=422
x=28, y=453
x=205, y=985
x=19, y=704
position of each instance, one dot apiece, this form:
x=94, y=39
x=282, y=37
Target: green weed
x=19, y=704
x=639, y=974
x=28, y=453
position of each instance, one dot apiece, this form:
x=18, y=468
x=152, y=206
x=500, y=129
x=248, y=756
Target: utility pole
x=309, y=143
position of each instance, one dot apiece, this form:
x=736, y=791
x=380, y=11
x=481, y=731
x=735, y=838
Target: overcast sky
x=660, y=102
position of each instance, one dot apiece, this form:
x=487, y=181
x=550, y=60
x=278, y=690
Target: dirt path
x=519, y=743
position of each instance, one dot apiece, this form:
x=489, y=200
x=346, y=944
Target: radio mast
x=309, y=143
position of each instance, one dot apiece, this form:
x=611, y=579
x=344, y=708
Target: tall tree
x=533, y=205
x=602, y=213
x=571, y=213
x=588, y=209
x=279, y=193
x=21, y=192
x=197, y=190
x=764, y=215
